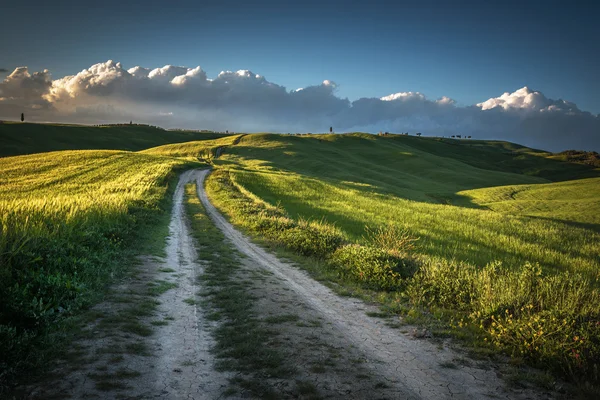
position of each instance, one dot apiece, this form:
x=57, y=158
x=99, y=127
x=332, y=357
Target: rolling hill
x=491, y=233
x=26, y=138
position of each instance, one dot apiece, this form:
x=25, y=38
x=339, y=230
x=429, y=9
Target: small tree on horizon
x=22, y=117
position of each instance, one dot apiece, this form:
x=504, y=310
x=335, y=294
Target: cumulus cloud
x=529, y=100
x=176, y=96
x=24, y=92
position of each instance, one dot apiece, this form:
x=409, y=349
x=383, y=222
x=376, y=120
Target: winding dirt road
x=330, y=340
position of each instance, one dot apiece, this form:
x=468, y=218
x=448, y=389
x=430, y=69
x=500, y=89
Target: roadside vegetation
x=68, y=223
x=416, y=229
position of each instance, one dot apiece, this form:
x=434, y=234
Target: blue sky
x=469, y=51
x=526, y=72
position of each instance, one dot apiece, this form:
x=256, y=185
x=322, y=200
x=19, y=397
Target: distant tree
x=469, y=136
x=453, y=136
x=418, y=133
x=458, y=136
x=22, y=117
x=331, y=129
x=130, y=122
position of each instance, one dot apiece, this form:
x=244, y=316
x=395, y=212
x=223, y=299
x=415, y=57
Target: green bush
x=442, y=283
x=374, y=267
x=310, y=238
x=550, y=321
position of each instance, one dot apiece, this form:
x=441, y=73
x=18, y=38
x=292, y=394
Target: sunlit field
x=66, y=220
x=491, y=242
x=571, y=201
x=197, y=150
x=434, y=233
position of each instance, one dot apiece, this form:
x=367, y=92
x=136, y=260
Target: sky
x=542, y=54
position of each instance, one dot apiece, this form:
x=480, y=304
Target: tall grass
x=66, y=219
x=204, y=150
x=526, y=285
x=473, y=235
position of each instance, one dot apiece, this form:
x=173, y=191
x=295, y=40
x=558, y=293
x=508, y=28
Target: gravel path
x=184, y=369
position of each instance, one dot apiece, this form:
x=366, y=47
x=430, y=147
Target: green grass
x=18, y=139
x=508, y=236
x=576, y=201
x=69, y=222
x=506, y=249
x=204, y=150
x=159, y=287
x=357, y=181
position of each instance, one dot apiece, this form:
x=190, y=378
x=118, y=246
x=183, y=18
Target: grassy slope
x=18, y=139
x=572, y=201
x=67, y=221
x=358, y=180
x=504, y=281
x=203, y=149
x=503, y=156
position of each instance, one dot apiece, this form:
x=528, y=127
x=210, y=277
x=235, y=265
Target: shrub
x=442, y=283
x=392, y=239
x=551, y=321
x=311, y=238
x=374, y=267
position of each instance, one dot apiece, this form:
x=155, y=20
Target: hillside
x=490, y=242
x=68, y=223
x=483, y=232
x=194, y=150
x=359, y=180
x=18, y=139
x=573, y=201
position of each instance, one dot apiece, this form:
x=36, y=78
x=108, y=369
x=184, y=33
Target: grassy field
x=68, y=220
x=576, y=201
x=25, y=138
x=359, y=181
x=436, y=225
x=497, y=242
x=204, y=150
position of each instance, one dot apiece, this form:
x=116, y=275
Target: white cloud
x=175, y=96
x=528, y=100
x=21, y=86
x=445, y=100
x=404, y=96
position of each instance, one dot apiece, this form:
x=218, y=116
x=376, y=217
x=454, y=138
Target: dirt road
x=147, y=340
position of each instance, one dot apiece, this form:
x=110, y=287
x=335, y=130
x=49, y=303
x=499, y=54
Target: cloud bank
x=174, y=96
